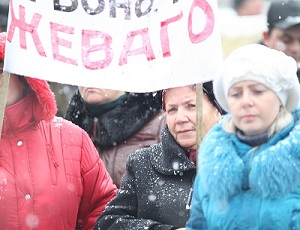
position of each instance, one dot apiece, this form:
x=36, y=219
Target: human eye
x=234, y=94
x=286, y=39
x=191, y=105
x=258, y=91
x=171, y=110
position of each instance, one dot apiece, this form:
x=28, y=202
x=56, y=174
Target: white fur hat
x=273, y=68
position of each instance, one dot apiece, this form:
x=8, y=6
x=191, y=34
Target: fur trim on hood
x=41, y=88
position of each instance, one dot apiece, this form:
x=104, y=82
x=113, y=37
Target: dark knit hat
x=284, y=14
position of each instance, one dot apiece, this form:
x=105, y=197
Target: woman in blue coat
x=249, y=163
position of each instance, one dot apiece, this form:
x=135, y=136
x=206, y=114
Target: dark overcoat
x=154, y=191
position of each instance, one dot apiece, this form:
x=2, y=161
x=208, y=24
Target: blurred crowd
x=242, y=22
x=4, y=4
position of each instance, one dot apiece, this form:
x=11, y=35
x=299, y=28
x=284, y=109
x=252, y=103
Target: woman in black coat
x=155, y=191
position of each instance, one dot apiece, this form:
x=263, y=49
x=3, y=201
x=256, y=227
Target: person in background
x=118, y=123
x=4, y=6
x=63, y=94
x=241, y=23
x=155, y=191
x=51, y=176
x=249, y=163
x=248, y=7
x=283, y=20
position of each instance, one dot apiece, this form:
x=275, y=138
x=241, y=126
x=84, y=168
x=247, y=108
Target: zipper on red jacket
x=54, y=165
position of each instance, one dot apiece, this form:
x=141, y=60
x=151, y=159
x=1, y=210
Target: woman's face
x=253, y=106
x=180, y=105
x=15, y=88
x=99, y=96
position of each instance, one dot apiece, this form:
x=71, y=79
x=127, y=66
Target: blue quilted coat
x=241, y=187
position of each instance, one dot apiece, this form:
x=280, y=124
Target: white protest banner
x=131, y=45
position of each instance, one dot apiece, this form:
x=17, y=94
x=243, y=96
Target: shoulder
x=296, y=112
x=292, y=130
x=143, y=156
x=155, y=124
x=76, y=111
x=217, y=144
x=70, y=133
x=160, y=117
x=296, y=115
x=216, y=135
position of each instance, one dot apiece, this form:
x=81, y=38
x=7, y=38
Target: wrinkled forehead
x=165, y=90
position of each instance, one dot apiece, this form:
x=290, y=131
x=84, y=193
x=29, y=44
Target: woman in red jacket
x=51, y=176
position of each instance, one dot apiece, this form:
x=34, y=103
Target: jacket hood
x=41, y=88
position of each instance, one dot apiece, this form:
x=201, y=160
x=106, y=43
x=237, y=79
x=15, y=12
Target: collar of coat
x=272, y=170
x=171, y=158
x=39, y=104
x=119, y=123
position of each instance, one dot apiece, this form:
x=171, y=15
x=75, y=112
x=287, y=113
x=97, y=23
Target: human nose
x=181, y=116
x=246, y=100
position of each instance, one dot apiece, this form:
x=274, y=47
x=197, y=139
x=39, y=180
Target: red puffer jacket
x=51, y=176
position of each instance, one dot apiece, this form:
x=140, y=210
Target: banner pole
x=3, y=97
x=199, y=115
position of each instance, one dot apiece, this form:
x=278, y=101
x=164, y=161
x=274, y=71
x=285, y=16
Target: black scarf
x=118, y=123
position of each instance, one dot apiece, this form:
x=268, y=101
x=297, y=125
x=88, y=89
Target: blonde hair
x=282, y=120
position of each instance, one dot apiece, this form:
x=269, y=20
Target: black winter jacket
x=154, y=191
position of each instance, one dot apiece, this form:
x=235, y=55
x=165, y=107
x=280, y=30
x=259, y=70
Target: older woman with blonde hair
x=249, y=163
